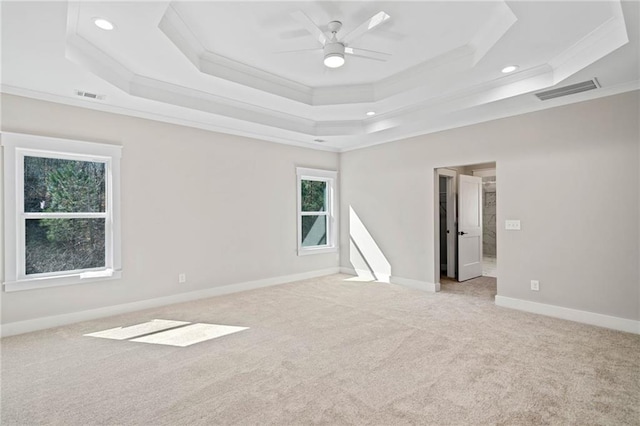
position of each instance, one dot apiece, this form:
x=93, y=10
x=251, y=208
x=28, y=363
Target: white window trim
x=15, y=147
x=331, y=177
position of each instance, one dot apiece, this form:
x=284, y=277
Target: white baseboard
x=405, y=282
x=20, y=327
x=591, y=318
x=418, y=285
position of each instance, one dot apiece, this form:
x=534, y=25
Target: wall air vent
x=89, y=95
x=568, y=90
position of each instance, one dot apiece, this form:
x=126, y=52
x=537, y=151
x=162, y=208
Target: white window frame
x=16, y=146
x=331, y=177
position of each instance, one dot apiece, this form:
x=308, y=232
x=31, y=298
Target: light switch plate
x=512, y=225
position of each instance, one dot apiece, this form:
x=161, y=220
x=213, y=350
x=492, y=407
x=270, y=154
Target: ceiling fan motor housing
x=334, y=55
x=333, y=49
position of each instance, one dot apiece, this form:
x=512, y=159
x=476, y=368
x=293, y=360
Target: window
x=317, y=211
x=61, y=211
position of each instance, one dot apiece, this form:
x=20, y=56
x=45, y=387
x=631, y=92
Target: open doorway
x=447, y=181
x=489, y=225
x=466, y=243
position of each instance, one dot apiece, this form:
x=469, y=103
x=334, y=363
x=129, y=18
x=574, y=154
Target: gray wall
x=570, y=174
x=191, y=200
x=221, y=208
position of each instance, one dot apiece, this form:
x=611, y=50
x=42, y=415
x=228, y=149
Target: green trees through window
x=314, y=195
x=313, y=200
x=58, y=187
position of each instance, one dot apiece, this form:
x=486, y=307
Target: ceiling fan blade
x=299, y=50
x=310, y=26
x=368, y=57
x=293, y=34
x=366, y=53
x=367, y=25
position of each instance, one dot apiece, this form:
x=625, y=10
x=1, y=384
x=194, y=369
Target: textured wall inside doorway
x=489, y=216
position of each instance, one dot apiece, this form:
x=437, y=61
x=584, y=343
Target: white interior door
x=469, y=227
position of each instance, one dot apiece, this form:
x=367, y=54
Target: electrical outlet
x=535, y=285
x=182, y=278
x=512, y=225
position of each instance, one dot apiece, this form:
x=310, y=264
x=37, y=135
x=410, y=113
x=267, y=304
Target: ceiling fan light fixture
x=334, y=60
x=334, y=55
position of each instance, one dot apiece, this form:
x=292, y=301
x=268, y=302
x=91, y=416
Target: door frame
x=451, y=176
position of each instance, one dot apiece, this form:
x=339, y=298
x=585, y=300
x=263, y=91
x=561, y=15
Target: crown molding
x=492, y=30
x=179, y=33
x=422, y=127
x=414, y=103
x=249, y=130
x=423, y=123
x=606, y=38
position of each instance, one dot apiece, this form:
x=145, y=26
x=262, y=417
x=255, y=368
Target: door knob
x=462, y=233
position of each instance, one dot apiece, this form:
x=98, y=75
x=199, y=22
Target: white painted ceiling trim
x=175, y=28
x=457, y=86
x=217, y=124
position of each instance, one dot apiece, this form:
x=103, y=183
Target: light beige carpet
x=330, y=351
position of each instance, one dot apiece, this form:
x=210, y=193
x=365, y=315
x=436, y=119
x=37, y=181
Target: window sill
x=57, y=281
x=316, y=250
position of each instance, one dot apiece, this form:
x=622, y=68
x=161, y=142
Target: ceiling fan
x=335, y=48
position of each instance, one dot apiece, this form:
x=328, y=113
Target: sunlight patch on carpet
x=189, y=335
x=167, y=332
x=363, y=279
x=126, y=333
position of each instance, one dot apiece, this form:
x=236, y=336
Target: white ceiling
x=218, y=65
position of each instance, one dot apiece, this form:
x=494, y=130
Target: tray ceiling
x=221, y=66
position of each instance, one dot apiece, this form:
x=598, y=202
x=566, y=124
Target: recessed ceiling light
x=510, y=68
x=103, y=24
x=370, y=113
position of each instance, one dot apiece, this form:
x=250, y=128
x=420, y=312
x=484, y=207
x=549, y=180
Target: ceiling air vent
x=89, y=95
x=568, y=90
